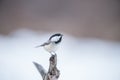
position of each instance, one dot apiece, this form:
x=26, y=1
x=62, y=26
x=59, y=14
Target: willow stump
x=53, y=73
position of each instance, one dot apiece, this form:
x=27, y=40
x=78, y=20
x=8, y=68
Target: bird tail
x=38, y=46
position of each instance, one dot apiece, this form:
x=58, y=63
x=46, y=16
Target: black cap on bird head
x=57, y=34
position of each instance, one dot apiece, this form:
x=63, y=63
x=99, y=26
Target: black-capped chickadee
x=52, y=44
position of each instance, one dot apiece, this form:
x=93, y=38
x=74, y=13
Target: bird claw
x=52, y=53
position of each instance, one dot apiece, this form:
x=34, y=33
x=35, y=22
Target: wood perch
x=53, y=73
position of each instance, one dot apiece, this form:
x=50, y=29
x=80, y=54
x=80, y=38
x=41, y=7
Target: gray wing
x=46, y=43
x=41, y=70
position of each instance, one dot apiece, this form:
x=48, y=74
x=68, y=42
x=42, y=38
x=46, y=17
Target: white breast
x=52, y=47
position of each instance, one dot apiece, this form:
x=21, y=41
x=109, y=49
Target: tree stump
x=53, y=73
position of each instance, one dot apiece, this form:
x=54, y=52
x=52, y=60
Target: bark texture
x=53, y=73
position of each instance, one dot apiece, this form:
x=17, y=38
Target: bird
x=52, y=44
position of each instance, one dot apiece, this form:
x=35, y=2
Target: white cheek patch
x=56, y=38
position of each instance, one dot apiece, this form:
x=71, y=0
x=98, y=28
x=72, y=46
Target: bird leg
x=54, y=53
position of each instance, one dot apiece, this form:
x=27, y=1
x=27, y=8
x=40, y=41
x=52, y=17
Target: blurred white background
x=90, y=49
x=78, y=58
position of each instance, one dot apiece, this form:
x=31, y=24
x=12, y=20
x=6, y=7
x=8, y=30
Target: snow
x=78, y=59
